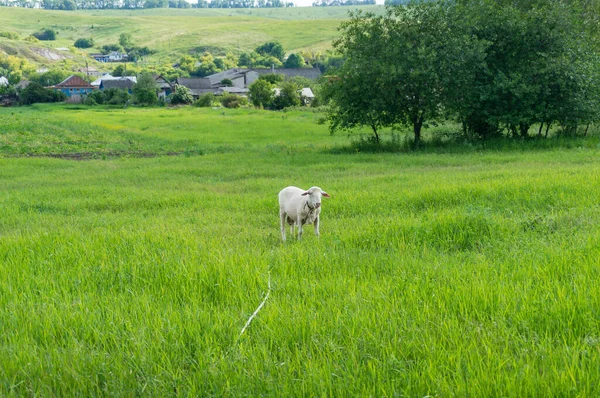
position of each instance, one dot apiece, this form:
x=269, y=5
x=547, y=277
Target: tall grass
x=436, y=273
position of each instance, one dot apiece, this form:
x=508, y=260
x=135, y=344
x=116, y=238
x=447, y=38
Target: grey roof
x=123, y=84
x=307, y=92
x=99, y=80
x=309, y=73
x=107, y=77
x=197, y=83
x=234, y=90
x=202, y=91
x=215, y=78
x=161, y=82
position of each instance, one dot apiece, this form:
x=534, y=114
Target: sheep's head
x=314, y=197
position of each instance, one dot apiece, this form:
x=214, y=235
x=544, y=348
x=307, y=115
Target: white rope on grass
x=258, y=309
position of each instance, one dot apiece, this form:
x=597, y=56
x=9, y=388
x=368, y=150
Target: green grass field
x=441, y=272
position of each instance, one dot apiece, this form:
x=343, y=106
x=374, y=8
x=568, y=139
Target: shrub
x=181, y=95
x=205, y=100
x=110, y=96
x=46, y=34
x=89, y=100
x=272, y=78
x=95, y=97
x=288, y=96
x=84, y=43
x=10, y=35
x=231, y=101
x=116, y=96
x=35, y=93
x=105, y=49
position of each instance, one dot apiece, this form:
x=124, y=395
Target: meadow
x=136, y=243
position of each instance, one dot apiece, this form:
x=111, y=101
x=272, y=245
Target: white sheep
x=298, y=207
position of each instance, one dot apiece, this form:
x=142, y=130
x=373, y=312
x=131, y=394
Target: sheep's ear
x=305, y=193
x=325, y=194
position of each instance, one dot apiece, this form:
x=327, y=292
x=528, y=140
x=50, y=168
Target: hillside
x=171, y=32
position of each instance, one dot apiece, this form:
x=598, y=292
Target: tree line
x=140, y=4
x=499, y=68
x=338, y=3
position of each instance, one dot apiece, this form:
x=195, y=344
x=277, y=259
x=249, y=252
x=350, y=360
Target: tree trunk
x=524, y=129
x=374, y=127
x=547, y=129
x=540, y=130
x=586, y=130
x=417, y=130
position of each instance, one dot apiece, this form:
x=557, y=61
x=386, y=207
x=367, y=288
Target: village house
x=113, y=56
x=96, y=83
x=74, y=87
x=197, y=86
x=164, y=87
x=241, y=79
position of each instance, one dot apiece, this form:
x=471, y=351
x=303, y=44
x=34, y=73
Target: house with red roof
x=74, y=87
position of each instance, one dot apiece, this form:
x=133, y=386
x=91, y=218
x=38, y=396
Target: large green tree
x=126, y=41
x=497, y=66
x=397, y=67
x=261, y=93
x=271, y=48
x=145, y=91
x=537, y=70
x=294, y=61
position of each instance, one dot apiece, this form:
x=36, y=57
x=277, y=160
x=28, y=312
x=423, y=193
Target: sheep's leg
x=282, y=218
x=316, y=224
x=299, y=224
x=292, y=230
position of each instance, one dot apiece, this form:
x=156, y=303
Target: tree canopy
x=145, y=91
x=271, y=48
x=497, y=67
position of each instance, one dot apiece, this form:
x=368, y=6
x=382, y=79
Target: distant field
x=174, y=32
x=437, y=273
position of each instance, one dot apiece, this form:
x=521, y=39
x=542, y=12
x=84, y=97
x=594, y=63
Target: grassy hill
x=171, y=32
